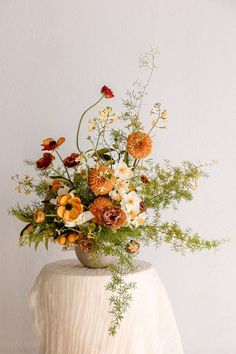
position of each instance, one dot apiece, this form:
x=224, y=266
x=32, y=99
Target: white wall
x=54, y=57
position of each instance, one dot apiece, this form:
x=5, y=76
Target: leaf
x=37, y=242
x=24, y=229
x=23, y=217
x=46, y=242
x=63, y=179
x=103, y=151
x=110, y=162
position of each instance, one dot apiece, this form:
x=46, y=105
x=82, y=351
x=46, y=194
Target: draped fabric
x=71, y=312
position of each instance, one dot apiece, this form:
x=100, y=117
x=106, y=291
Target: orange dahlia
x=69, y=207
x=139, y=145
x=97, y=207
x=101, y=180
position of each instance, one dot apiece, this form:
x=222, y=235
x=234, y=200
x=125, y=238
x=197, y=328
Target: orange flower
x=56, y=184
x=113, y=217
x=132, y=247
x=97, y=206
x=69, y=207
x=72, y=160
x=101, y=180
x=45, y=161
x=106, y=92
x=86, y=246
x=139, y=145
x=39, y=216
x=50, y=144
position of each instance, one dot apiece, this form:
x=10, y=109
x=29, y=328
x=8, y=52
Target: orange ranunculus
x=97, y=206
x=72, y=160
x=56, y=184
x=106, y=92
x=50, y=144
x=69, y=207
x=113, y=217
x=101, y=180
x=45, y=160
x=39, y=216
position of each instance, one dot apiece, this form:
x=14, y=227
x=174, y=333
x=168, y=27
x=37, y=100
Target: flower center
x=68, y=206
x=52, y=143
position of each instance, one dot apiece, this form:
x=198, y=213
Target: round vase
x=90, y=260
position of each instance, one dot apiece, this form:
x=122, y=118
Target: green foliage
x=81, y=188
x=169, y=185
x=120, y=289
x=157, y=187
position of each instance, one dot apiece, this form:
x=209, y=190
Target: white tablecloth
x=71, y=313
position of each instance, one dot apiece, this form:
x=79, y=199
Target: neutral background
x=54, y=57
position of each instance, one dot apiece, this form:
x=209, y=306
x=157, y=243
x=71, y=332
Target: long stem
x=63, y=164
x=81, y=119
x=145, y=86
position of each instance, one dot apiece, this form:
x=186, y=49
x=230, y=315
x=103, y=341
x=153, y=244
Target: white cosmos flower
x=81, y=219
x=121, y=186
x=132, y=213
x=131, y=201
x=139, y=219
x=63, y=190
x=115, y=195
x=122, y=171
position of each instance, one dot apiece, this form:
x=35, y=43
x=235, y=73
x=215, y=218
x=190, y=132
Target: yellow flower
x=69, y=207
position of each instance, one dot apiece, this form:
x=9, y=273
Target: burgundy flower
x=107, y=92
x=142, y=207
x=132, y=247
x=144, y=179
x=113, y=217
x=72, y=160
x=45, y=160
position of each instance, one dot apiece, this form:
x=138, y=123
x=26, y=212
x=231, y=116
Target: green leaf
x=103, y=151
x=107, y=163
x=37, y=242
x=46, y=242
x=63, y=179
x=23, y=217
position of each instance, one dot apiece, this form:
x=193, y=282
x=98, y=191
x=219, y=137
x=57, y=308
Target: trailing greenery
x=109, y=199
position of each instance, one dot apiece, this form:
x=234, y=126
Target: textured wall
x=54, y=56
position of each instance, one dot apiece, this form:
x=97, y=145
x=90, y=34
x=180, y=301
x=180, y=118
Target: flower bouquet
x=106, y=201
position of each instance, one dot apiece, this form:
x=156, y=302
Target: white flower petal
x=83, y=217
x=122, y=171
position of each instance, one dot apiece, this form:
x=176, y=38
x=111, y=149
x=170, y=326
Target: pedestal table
x=71, y=312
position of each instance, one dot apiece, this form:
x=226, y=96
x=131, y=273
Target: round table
x=71, y=312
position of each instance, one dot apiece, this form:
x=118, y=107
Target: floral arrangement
x=108, y=200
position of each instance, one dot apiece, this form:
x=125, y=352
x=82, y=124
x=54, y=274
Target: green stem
x=81, y=119
x=67, y=172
